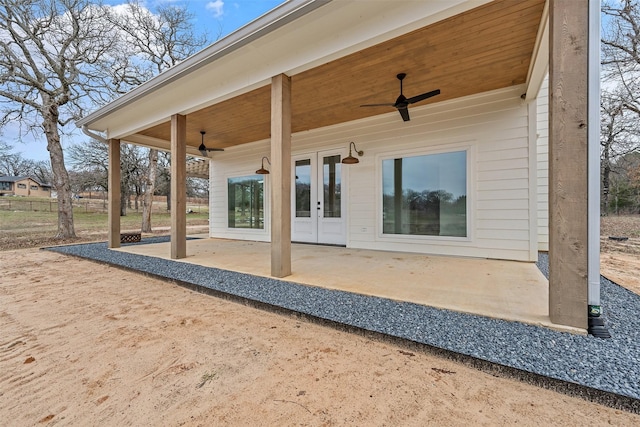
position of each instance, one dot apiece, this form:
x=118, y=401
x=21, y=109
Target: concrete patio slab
x=508, y=290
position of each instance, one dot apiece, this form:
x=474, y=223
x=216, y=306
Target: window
x=5, y=186
x=246, y=202
x=34, y=187
x=332, y=196
x=303, y=188
x=425, y=195
x=22, y=186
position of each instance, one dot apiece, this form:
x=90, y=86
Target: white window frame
x=265, y=197
x=469, y=148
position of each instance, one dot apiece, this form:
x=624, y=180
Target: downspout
x=595, y=322
x=95, y=136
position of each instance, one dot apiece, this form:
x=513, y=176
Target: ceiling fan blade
x=404, y=112
x=424, y=96
x=377, y=105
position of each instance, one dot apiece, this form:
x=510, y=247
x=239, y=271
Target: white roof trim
x=540, y=59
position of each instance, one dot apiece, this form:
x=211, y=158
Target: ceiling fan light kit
x=402, y=102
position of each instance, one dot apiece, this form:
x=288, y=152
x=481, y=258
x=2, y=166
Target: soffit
x=486, y=48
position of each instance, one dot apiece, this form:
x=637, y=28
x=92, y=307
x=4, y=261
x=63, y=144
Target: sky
x=211, y=16
x=214, y=15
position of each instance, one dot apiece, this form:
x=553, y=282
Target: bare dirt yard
x=83, y=343
x=620, y=259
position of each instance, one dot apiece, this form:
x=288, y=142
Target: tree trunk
x=124, y=199
x=61, y=182
x=606, y=174
x=147, y=201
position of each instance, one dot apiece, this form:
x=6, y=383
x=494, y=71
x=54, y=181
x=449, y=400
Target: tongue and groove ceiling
x=486, y=48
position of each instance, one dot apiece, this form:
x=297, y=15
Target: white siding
x=234, y=162
x=542, y=146
x=493, y=127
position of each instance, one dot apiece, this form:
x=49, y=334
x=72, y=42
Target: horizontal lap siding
x=502, y=190
x=542, y=147
x=493, y=125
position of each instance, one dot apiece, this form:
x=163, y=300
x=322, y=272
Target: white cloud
x=216, y=7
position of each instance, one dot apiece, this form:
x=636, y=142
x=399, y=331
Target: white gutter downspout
x=596, y=323
x=86, y=131
x=593, y=136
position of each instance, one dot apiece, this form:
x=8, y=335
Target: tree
x=59, y=58
x=147, y=202
x=90, y=165
x=625, y=184
x=620, y=105
x=55, y=60
x=132, y=167
x=619, y=136
x=621, y=49
x=157, y=42
x=91, y=160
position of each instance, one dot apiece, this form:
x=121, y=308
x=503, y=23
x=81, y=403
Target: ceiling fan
x=403, y=102
x=203, y=148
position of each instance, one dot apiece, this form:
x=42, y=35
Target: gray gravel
x=610, y=365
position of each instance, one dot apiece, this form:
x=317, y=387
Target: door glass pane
x=303, y=188
x=425, y=195
x=331, y=183
x=246, y=202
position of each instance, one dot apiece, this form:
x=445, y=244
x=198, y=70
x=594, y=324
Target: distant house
x=23, y=186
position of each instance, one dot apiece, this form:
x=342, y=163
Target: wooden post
x=113, y=213
x=280, y=176
x=568, y=162
x=178, y=186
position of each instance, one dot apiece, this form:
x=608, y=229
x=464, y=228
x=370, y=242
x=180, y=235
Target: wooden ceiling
x=486, y=48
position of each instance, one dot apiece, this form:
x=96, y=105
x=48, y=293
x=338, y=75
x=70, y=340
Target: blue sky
x=211, y=16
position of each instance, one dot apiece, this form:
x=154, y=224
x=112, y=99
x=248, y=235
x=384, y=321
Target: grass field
x=33, y=228
x=29, y=224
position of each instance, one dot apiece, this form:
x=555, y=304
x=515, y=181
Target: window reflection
x=303, y=188
x=425, y=195
x=332, y=194
x=246, y=202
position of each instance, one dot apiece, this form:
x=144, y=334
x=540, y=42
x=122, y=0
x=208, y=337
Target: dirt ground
x=620, y=259
x=83, y=343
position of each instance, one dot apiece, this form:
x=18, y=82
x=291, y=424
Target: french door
x=317, y=200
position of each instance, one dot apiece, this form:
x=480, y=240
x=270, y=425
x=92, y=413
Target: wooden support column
x=568, y=162
x=113, y=194
x=280, y=176
x=178, y=186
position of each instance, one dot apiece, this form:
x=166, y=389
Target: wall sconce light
x=350, y=160
x=203, y=148
x=262, y=170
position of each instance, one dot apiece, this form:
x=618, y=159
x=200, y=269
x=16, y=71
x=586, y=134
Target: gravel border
x=603, y=370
